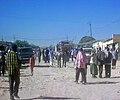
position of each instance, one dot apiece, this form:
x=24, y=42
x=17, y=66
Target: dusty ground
x=51, y=83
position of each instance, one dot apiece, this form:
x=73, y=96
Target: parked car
x=24, y=54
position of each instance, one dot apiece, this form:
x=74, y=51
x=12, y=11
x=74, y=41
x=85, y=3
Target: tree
x=34, y=46
x=86, y=39
x=20, y=43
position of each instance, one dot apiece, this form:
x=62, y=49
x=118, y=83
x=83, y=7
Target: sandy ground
x=52, y=83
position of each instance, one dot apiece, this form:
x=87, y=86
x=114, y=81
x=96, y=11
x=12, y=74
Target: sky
x=47, y=22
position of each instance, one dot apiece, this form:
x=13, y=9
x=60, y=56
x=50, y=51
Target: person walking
x=100, y=61
x=2, y=60
x=75, y=55
x=39, y=55
x=51, y=57
x=115, y=57
x=44, y=55
x=59, y=58
x=64, y=58
x=93, y=64
x=47, y=55
x=72, y=51
x=13, y=66
x=31, y=63
x=108, y=59
x=81, y=66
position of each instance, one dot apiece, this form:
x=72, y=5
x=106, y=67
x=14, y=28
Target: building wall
x=109, y=43
x=98, y=44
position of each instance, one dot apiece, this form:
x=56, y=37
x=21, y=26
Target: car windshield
x=87, y=51
x=25, y=50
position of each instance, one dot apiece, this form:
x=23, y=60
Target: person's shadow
x=105, y=82
x=53, y=98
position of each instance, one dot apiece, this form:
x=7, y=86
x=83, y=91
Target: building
x=112, y=42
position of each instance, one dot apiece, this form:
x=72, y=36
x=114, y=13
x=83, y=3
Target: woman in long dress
x=93, y=64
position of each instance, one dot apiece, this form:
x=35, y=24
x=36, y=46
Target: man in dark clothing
x=43, y=54
x=100, y=59
x=47, y=55
x=59, y=55
x=108, y=60
x=13, y=67
x=2, y=60
x=64, y=58
x=39, y=55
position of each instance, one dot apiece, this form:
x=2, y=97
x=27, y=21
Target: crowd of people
x=48, y=55
x=99, y=58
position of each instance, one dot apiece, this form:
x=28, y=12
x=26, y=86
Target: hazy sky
x=45, y=22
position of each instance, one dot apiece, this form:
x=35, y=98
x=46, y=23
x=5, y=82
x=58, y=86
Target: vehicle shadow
x=105, y=82
x=53, y=98
x=4, y=75
x=5, y=80
x=25, y=75
x=21, y=75
x=116, y=77
x=24, y=66
x=7, y=87
x=41, y=66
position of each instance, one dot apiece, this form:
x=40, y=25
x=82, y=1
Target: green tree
x=20, y=43
x=34, y=46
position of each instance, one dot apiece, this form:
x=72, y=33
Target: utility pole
x=67, y=37
x=2, y=38
x=90, y=29
x=14, y=38
x=90, y=32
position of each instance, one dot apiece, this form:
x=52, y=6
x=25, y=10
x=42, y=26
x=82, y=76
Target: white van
x=88, y=53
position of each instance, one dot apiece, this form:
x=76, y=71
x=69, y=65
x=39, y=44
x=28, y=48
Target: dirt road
x=51, y=83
